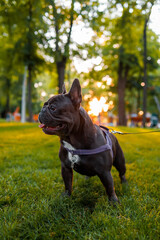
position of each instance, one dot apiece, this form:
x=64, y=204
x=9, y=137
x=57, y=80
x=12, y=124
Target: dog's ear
x=75, y=93
x=64, y=89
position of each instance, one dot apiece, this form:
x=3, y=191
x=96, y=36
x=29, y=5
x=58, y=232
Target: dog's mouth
x=50, y=129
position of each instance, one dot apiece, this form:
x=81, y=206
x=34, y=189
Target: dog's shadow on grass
x=87, y=192
x=84, y=196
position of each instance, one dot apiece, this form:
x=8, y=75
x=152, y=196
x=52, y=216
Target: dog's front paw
x=113, y=199
x=123, y=179
x=66, y=194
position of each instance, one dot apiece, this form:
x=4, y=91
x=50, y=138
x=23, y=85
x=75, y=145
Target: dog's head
x=60, y=114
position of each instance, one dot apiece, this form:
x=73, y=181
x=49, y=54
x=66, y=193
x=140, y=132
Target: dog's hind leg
x=119, y=163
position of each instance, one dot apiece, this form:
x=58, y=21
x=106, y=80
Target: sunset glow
x=97, y=106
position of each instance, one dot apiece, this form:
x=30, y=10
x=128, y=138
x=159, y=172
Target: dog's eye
x=52, y=108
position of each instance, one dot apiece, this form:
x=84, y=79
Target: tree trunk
x=121, y=96
x=145, y=74
x=138, y=100
x=23, y=103
x=7, y=107
x=145, y=64
x=30, y=93
x=61, y=73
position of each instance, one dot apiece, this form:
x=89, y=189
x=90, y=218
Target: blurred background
x=113, y=47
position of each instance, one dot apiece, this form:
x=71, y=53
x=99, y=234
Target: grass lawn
x=31, y=205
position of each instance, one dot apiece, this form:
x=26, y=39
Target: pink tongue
x=42, y=125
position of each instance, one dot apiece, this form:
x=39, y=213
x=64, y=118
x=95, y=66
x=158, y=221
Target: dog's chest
x=80, y=164
x=72, y=158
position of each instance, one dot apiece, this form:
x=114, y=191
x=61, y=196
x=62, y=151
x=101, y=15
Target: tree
x=63, y=16
x=126, y=35
x=146, y=20
x=28, y=42
x=21, y=22
x=120, y=51
x=7, y=51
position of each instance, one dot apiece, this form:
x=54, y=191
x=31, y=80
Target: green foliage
x=122, y=33
x=20, y=23
x=31, y=205
x=39, y=34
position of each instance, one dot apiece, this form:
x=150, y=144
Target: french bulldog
x=63, y=116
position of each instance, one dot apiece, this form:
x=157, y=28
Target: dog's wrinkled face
x=60, y=113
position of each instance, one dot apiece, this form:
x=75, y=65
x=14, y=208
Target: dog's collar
x=107, y=146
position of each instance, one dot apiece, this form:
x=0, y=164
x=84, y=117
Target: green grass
x=31, y=205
